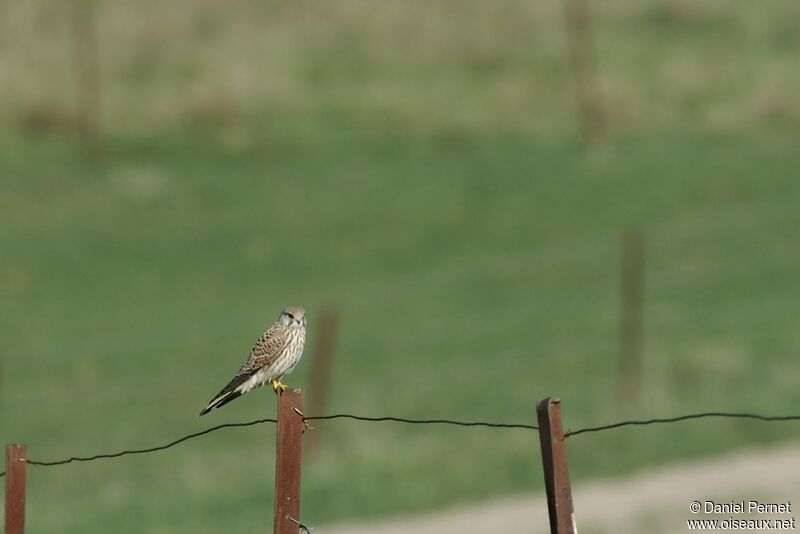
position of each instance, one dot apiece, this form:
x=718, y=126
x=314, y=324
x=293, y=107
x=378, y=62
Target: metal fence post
x=554, y=460
x=288, y=456
x=16, y=464
x=321, y=367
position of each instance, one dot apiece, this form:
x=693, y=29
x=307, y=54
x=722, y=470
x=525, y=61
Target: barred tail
x=232, y=391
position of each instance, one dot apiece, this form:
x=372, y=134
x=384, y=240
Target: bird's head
x=293, y=316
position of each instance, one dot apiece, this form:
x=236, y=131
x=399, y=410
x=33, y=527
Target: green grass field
x=474, y=257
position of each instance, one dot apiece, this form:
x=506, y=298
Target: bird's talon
x=278, y=385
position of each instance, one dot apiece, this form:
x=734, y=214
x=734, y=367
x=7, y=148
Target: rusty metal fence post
x=288, y=457
x=16, y=464
x=554, y=460
x=321, y=368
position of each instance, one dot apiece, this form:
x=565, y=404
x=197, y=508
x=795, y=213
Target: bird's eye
x=290, y=316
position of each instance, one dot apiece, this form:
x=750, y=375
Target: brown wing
x=266, y=350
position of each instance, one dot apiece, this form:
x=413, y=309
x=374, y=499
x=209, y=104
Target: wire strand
x=150, y=449
x=420, y=421
x=644, y=422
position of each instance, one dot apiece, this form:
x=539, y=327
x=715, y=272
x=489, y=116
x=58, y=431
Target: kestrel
x=274, y=355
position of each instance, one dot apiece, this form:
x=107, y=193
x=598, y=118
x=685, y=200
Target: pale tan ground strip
x=655, y=501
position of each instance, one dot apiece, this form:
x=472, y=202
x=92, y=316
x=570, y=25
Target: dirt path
x=655, y=501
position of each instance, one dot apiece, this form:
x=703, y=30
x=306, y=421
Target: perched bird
x=274, y=355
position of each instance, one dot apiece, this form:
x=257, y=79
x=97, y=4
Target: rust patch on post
x=288, y=458
x=554, y=461
x=16, y=467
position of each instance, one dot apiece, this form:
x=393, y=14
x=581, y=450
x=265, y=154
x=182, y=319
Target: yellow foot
x=278, y=385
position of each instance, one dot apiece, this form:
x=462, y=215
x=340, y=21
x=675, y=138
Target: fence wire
x=419, y=421
x=404, y=420
x=703, y=415
x=150, y=449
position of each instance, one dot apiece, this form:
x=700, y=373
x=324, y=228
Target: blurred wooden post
x=87, y=70
x=16, y=464
x=631, y=316
x=321, y=368
x=578, y=19
x=288, y=457
x=554, y=461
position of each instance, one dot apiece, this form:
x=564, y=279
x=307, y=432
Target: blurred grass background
x=420, y=166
